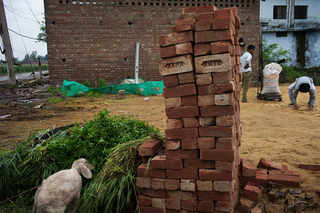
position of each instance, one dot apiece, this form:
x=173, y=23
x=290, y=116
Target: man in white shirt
x=246, y=69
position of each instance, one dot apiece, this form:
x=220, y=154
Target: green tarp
x=72, y=88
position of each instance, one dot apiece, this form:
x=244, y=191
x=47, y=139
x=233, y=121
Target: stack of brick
x=198, y=172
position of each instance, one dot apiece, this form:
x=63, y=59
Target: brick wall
x=92, y=39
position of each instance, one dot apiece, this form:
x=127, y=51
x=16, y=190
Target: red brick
x=226, y=13
x=219, y=196
x=172, y=184
x=284, y=178
x=203, y=25
x=211, y=36
x=173, y=144
x=153, y=193
x=174, y=204
x=226, y=121
x=208, y=111
x=216, y=88
x=160, y=162
x=158, y=184
x=189, y=101
x=310, y=167
x=185, y=24
x=222, y=77
x=204, y=79
x=222, y=24
x=175, y=38
x=204, y=186
x=188, y=185
x=144, y=201
x=170, y=80
x=221, y=47
x=174, y=124
x=206, y=100
x=217, y=154
x=190, y=122
x=223, y=186
x=181, y=133
x=200, y=9
x=216, y=175
x=182, y=112
x=154, y=173
x=176, y=65
x=205, y=206
x=182, y=90
x=173, y=102
x=252, y=192
x=158, y=203
x=248, y=168
x=189, y=144
x=206, y=143
x=223, y=99
x=202, y=49
x=166, y=52
x=213, y=63
x=149, y=147
x=224, y=143
x=143, y=182
x=185, y=78
x=265, y=164
x=216, y=131
x=145, y=209
x=225, y=166
x=224, y=206
x=197, y=163
x=182, y=154
x=183, y=173
x=184, y=49
x=190, y=205
x=208, y=121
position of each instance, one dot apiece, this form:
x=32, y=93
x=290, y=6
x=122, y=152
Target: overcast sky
x=23, y=17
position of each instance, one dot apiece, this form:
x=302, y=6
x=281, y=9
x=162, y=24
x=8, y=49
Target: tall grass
x=110, y=143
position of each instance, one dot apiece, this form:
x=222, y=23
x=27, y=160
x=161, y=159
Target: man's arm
x=292, y=93
x=312, y=98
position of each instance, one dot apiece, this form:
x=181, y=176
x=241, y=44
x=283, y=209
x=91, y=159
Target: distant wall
x=92, y=39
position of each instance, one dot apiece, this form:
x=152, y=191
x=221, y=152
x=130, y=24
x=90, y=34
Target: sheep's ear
x=85, y=171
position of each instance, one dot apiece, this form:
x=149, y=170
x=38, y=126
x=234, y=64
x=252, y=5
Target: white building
x=295, y=26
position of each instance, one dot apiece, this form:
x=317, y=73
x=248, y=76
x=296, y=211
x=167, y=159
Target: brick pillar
x=198, y=172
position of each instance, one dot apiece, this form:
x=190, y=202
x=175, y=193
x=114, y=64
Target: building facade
x=90, y=40
x=295, y=26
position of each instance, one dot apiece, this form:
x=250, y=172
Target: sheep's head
x=83, y=167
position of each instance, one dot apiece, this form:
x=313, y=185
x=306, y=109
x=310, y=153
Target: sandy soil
x=270, y=129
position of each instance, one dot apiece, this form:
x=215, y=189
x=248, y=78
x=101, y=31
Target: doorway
x=301, y=48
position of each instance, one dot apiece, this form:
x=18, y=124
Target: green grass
x=55, y=100
x=23, y=68
x=108, y=142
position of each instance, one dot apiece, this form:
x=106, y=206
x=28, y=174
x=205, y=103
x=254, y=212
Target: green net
x=147, y=88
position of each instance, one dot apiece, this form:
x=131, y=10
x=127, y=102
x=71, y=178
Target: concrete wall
x=313, y=50
x=92, y=39
x=286, y=43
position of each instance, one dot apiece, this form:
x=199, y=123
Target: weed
x=55, y=100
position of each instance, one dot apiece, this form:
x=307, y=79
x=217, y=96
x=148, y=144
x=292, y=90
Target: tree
x=42, y=36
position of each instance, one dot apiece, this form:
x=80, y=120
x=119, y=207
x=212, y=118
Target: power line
x=24, y=17
x=25, y=36
x=34, y=16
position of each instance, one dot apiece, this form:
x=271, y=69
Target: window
x=300, y=12
x=279, y=12
x=281, y=34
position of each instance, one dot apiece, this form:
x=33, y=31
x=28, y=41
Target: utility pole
x=6, y=42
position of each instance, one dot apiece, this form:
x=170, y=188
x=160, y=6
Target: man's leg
x=246, y=81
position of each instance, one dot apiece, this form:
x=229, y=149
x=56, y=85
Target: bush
x=105, y=139
x=24, y=68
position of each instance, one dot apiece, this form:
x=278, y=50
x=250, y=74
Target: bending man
x=303, y=84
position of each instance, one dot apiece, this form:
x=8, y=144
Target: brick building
x=93, y=39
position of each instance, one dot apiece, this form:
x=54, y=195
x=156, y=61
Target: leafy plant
x=108, y=142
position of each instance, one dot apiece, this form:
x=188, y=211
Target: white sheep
x=62, y=188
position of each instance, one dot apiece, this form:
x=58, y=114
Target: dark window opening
x=279, y=12
x=281, y=34
x=300, y=12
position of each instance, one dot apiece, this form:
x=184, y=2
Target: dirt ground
x=271, y=130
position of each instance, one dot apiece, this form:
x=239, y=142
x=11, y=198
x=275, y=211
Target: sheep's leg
x=74, y=203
